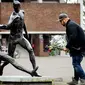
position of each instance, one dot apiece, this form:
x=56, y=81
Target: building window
x=31, y=0
x=11, y=0
x=51, y=0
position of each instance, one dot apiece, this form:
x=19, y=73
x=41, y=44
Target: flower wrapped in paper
x=58, y=42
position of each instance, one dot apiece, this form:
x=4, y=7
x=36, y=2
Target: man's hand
x=65, y=49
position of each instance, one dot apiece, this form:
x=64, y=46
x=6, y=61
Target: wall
x=42, y=16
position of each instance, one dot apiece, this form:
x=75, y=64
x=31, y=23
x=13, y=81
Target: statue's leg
x=11, y=49
x=27, y=46
x=11, y=60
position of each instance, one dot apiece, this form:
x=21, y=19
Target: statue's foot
x=34, y=73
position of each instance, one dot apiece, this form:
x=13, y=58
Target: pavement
x=53, y=66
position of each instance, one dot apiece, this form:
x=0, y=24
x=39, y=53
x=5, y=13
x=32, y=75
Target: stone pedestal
x=25, y=80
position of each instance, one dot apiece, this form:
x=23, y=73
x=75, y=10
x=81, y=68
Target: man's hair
x=62, y=16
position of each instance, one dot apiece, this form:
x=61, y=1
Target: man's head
x=16, y=6
x=63, y=18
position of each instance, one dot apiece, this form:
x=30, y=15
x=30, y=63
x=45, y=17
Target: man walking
x=16, y=26
x=76, y=45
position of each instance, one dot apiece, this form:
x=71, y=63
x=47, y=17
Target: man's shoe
x=82, y=81
x=73, y=82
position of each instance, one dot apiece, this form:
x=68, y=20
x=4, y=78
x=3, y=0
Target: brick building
x=40, y=19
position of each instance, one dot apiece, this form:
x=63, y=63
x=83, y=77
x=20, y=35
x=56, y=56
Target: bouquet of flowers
x=58, y=42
